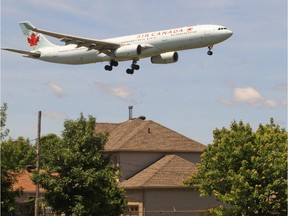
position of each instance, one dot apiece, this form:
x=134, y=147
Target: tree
x=246, y=170
x=15, y=155
x=3, y=117
x=79, y=178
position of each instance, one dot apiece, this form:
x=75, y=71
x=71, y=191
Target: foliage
x=15, y=155
x=79, y=179
x=246, y=170
x=3, y=117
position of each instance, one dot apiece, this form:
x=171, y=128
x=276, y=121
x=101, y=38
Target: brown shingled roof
x=24, y=181
x=140, y=135
x=170, y=171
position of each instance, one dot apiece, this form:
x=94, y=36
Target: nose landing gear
x=209, y=51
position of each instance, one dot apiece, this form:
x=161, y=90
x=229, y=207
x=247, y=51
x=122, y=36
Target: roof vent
x=142, y=118
x=130, y=112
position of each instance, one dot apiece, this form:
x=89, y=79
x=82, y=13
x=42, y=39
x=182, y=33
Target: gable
x=169, y=171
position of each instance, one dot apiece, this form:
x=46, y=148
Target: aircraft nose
x=229, y=33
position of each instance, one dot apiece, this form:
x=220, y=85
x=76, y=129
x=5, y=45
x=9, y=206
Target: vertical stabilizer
x=34, y=40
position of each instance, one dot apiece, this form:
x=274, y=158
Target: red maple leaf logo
x=33, y=40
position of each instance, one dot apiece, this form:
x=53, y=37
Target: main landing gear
x=110, y=66
x=130, y=70
x=209, y=51
x=134, y=66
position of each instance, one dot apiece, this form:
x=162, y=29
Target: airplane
x=160, y=46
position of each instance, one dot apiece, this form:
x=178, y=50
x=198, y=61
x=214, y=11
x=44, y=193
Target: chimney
x=130, y=112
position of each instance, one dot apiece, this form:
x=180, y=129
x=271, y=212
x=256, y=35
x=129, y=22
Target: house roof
x=24, y=181
x=169, y=171
x=141, y=135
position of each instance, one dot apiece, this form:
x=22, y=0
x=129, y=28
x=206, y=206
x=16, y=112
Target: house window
x=133, y=208
x=115, y=161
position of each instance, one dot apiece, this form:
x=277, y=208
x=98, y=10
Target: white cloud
x=55, y=115
x=122, y=92
x=249, y=96
x=271, y=103
x=227, y=102
x=57, y=90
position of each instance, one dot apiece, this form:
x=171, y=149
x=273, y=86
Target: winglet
x=28, y=25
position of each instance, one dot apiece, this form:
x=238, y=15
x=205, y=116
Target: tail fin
x=35, y=40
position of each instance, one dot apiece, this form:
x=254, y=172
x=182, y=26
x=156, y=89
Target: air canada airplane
x=159, y=46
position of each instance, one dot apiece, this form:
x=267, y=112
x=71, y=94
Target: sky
x=245, y=79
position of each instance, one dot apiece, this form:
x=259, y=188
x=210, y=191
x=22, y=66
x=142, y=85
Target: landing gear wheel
x=135, y=67
x=112, y=64
x=210, y=53
x=129, y=71
x=108, y=67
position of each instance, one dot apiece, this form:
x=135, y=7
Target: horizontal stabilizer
x=28, y=54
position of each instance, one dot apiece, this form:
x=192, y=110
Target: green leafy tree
x=3, y=117
x=246, y=170
x=15, y=155
x=79, y=179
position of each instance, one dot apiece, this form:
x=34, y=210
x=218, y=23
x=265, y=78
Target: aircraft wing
x=25, y=53
x=100, y=45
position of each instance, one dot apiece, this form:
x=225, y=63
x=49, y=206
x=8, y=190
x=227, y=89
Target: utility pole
x=38, y=164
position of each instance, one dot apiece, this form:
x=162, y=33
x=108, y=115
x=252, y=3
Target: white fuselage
x=153, y=43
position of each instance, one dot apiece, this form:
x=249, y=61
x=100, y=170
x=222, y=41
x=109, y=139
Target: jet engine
x=165, y=58
x=132, y=50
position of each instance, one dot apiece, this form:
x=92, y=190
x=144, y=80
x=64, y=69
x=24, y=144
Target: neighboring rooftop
x=141, y=135
x=24, y=181
x=169, y=171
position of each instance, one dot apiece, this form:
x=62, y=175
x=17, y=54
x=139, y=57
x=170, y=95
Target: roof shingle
x=140, y=135
x=24, y=181
x=169, y=171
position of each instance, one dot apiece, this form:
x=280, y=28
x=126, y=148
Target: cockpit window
x=221, y=28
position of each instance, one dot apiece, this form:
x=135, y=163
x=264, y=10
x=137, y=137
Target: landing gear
x=209, y=51
x=110, y=66
x=130, y=70
x=134, y=66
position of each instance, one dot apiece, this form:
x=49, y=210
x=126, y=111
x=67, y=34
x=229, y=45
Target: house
x=25, y=203
x=154, y=161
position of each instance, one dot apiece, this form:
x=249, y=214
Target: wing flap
x=25, y=53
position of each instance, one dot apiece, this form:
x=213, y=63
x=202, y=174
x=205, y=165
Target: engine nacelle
x=133, y=50
x=165, y=58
